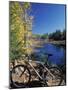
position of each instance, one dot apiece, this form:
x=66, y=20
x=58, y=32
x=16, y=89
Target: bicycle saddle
x=48, y=54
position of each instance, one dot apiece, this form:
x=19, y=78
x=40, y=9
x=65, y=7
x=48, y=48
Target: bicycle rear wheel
x=56, y=80
x=20, y=76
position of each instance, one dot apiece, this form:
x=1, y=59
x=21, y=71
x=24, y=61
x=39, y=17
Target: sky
x=47, y=17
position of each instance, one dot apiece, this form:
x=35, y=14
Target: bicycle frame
x=40, y=63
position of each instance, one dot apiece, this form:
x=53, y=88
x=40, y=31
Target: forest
x=56, y=35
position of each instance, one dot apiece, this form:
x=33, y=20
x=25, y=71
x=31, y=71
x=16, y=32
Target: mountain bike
x=22, y=75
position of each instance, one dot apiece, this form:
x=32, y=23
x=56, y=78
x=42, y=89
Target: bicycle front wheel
x=20, y=76
x=56, y=80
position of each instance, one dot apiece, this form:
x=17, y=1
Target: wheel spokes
x=20, y=75
x=53, y=81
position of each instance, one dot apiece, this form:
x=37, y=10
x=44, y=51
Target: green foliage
x=44, y=36
x=63, y=35
x=36, y=36
x=18, y=29
x=26, y=5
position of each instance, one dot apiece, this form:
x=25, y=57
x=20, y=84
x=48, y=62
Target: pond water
x=58, y=53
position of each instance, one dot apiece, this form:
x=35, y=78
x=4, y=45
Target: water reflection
x=58, y=53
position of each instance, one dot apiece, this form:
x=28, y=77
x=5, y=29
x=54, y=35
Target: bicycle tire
x=57, y=73
x=17, y=84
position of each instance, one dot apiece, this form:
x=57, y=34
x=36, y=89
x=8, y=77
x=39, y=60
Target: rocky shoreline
x=39, y=43
x=61, y=43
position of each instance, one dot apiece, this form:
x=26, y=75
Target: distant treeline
x=57, y=35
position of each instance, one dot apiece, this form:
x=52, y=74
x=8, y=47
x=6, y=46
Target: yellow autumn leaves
x=19, y=32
